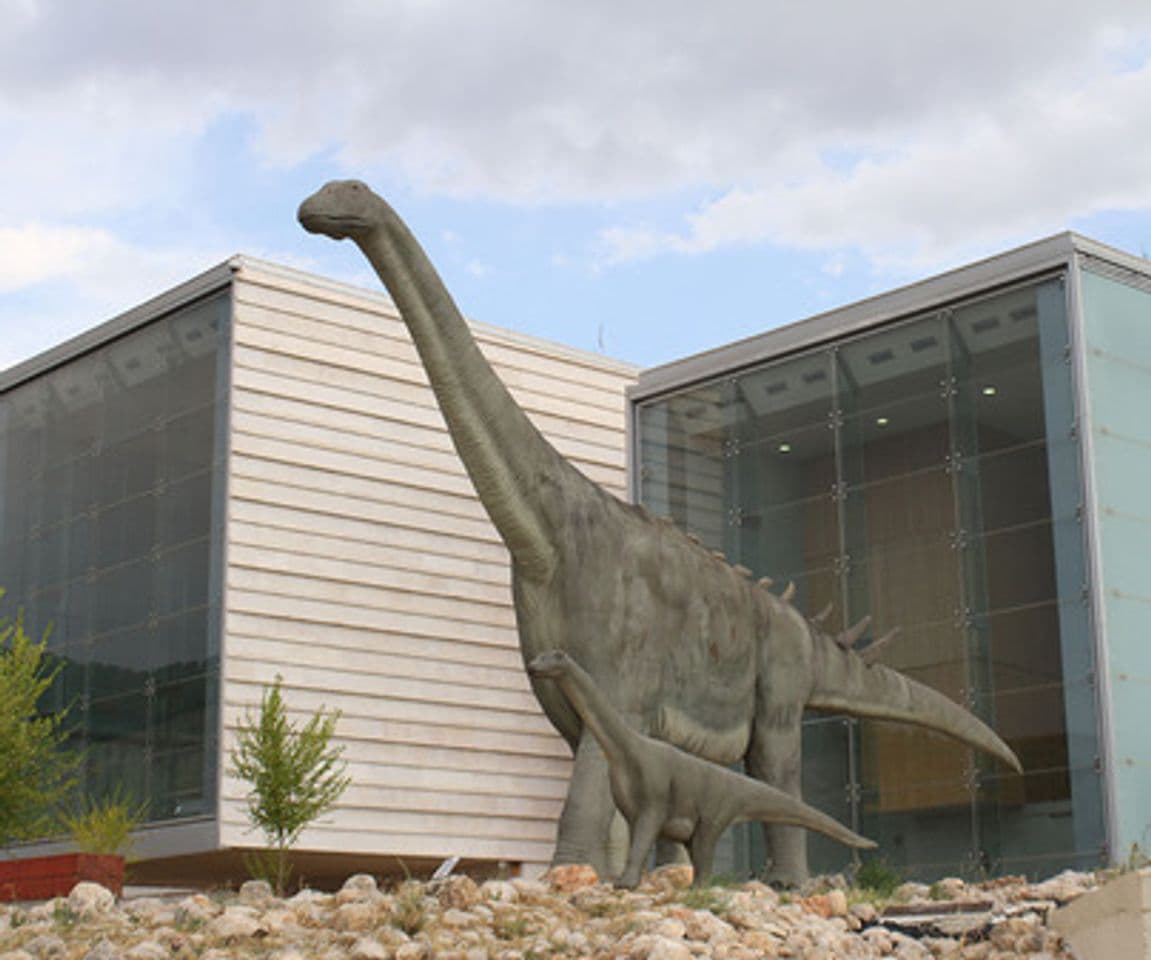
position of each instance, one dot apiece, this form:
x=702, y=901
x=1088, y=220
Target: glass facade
x=109, y=530
x=1117, y=335
x=924, y=473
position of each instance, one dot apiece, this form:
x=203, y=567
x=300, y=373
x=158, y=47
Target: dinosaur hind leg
x=774, y=757
x=585, y=825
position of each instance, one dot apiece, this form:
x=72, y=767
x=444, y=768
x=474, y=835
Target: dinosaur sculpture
x=663, y=791
x=688, y=647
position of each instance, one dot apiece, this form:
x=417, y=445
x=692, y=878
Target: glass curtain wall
x=109, y=526
x=924, y=474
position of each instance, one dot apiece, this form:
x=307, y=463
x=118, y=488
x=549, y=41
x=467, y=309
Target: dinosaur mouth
x=315, y=221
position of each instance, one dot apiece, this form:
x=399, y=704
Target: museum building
x=968, y=460
x=249, y=477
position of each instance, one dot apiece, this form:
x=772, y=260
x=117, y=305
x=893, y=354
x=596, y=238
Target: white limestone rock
x=359, y=888
x=368, y=948
x=256, y=893
x=235, y=923
x=148, y=950
x=89, y=899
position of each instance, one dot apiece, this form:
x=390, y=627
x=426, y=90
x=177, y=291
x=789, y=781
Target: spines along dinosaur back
x=844, y=681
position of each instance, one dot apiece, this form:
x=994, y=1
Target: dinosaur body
x=688, y=648
x=663, y=791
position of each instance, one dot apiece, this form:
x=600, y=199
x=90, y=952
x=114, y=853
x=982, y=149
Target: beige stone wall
x=361, y=567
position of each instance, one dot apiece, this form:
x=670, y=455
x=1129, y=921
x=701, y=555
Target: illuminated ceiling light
x=881, y=421
x=784, y=448
x=990, y=390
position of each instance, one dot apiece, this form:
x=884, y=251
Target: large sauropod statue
x=688, y=648
x=664, y=791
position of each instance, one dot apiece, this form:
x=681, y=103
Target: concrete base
x=1112, y=922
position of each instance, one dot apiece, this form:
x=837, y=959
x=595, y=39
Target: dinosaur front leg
x=644, y=830
x=585, y=822
x=775, y=757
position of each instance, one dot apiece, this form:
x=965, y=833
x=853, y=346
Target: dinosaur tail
x=845, y=682
x=774, y=806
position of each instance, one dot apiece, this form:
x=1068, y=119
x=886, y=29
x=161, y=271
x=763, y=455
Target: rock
x=499, y=890
x=16, y=955
x=668, y=877
x=667, y=949
x=943, y=948
x=413, y=951
x=704, y=926
x=1062, y=888
x=367, y=948
x=89, y=899
x=103, y=949
x=831, y=904
x=278, y=920
x=150, y=910
x=531, y=891
x=45, y=946
x=195, y=910
x=1018, y=934
x=355, y=916
x=235, y=923
x=256, y=893
x=907, y=892
x=569, y=877
x=359, y=888
x=458, y=893
x=148, y=950
x=949, y=888
x=457, y=919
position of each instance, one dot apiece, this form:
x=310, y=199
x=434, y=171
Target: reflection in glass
x=106, y=532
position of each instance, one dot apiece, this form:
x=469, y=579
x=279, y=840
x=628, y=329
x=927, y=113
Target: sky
x=645, y=179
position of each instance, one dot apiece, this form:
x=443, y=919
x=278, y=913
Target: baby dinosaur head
x=550, y=665
x=340, y=209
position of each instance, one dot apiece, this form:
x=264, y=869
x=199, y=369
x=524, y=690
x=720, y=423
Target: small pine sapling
x=295, y=775
x=37, y=772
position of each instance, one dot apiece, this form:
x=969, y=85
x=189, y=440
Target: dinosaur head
x=340, y=209
x=550, y=665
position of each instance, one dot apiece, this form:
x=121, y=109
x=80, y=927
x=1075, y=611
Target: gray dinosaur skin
x=663, y=791
x=689, y=649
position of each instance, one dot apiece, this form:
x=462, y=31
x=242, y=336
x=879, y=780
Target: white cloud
x=477, y=268
x=1024, y=166
x=104, y=276
x=904, y=130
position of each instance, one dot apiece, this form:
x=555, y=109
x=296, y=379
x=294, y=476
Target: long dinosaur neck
x=599, y=716
x=504, y=454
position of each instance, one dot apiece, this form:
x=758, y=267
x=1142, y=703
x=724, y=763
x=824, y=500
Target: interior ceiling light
x=881, y=421
x=784, y=448
x=990, y=390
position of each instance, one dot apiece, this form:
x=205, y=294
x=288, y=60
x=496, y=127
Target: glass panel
x=827, y=777
x=106, y=532
x=893, y=402
x=926, y=474
x=694, y=434
x=1117, y=328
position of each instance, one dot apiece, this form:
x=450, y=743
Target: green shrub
x=879, y=877
x=36, y=772
x=105, y=825
x=295, y=776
